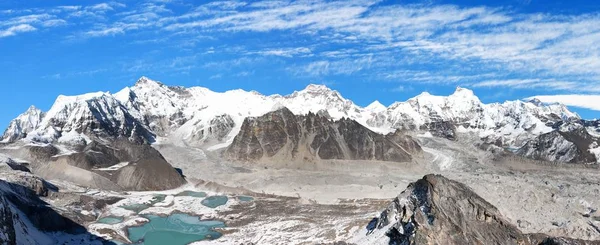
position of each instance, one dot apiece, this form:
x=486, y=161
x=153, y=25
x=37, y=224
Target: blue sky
x=367, y=50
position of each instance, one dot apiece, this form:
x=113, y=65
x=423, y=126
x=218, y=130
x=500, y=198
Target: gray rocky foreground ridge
x=437, y=210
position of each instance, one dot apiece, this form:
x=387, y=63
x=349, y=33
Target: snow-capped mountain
x=512, y=121
x=200, y=117
x=23, y=124
x=74, y=118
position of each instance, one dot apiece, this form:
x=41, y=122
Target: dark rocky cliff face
x=572, y=146
x=287, y=136
x=26, y=219
x=436, y=210
x=442, y=129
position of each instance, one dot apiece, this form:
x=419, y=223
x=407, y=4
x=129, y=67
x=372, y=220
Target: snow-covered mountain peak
x=23, y=124
x=124, y=95
x=425, y=99
x=461, y=90
x=375, y=106
x=145, y=81
x=535, y=101
x=422, y=94
x=32, y=110
x=464, y=94
x=317, y=88
x=65, y=99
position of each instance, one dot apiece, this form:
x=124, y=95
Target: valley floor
x=323, y=202
x=557, y=200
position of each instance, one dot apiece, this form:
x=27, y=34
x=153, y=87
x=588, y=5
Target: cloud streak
x=591, y=102
x=14, y=30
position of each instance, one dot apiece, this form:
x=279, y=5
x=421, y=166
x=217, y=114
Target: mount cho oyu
x=199, y=117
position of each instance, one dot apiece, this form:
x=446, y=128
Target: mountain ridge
x=200, y=117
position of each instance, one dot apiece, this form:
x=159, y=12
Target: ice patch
x=114, y=167
x=425, y=135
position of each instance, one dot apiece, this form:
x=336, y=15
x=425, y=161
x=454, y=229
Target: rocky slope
x=569, y=144
x=27, y=219
x=436, y=210
x=199, y=117
x=281, y=135
x=115, y=165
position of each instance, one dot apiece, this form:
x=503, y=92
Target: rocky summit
x=437, y=210
x=281, y=135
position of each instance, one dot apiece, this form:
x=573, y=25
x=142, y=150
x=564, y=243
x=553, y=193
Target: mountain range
x=199, y=117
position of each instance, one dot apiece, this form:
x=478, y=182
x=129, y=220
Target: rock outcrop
x=436, y=210
x=284, y=136
x=26, y=219
x=571, y=143
x=117, y=165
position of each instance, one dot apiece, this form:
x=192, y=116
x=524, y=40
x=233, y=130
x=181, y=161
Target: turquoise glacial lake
x=245, y=198
x=175, y=229
x=192, y=193
x=214, y=201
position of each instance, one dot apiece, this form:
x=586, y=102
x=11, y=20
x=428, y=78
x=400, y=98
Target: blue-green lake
x=175, y=229
x=214, y=201
x=245, y=198
x=192, y=193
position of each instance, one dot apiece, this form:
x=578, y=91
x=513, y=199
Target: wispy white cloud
x=14, y=30
x=550, y=84
x=69, y=74
x=481, y=46
x=101, y=7
x=591, y=102
x=110, y=6
x=284, y=52
x=26, y=19
x=216, y=76
x=54, y=22
x=117, y=28
x=402, y=88
x=69, y=7
x=544, y=45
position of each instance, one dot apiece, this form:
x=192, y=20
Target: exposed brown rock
x=282, y=135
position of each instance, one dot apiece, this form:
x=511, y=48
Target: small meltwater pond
x=214, y=201
x=175, y=229
x=138, y=207
x=192, y=194
x=245, y=198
